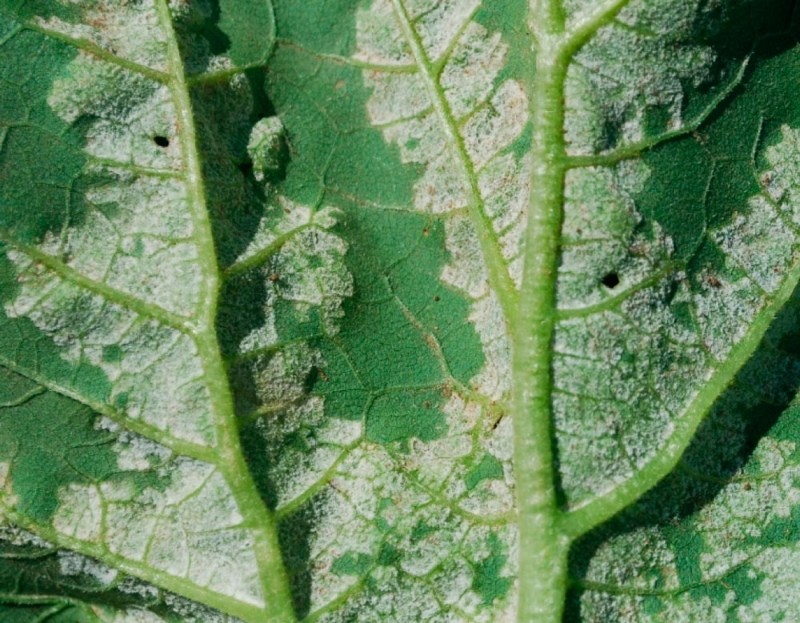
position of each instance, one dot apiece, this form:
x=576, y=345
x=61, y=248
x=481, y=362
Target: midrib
x=529, y=313
x=231, y=462
x=543, y=548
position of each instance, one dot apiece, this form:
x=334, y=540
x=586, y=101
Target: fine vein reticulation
x=248, y=399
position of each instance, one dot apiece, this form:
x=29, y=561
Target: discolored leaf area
x=368, y=311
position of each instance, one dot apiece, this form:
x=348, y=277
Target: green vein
x=581, y=519
x=92, y=48
x=499, y=279
x=260, y=521
x=543, y=549
x=25, y=398
x=178, y=585
x=260, y=257
x=113, y=295
x=186, y=448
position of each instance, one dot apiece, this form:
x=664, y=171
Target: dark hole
x=611, y=280
x=437, y=298
x=246, y=167
x=161, y=141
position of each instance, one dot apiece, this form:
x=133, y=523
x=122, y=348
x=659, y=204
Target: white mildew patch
x=135, y=615
x=298, y=263
x=129, y=30
x=80, y=512
x=385, y=520
x=494, y=379
x=600, y=235
x=127, y=111
x=72, y=564
x=21, y=538
x=264, y=146
x=655, y=566
x=470, y=466
x=318, y=441
x=642, y=62
x=279, y=378
x=461, y=123
x=154, y=371
x=777, y=589
x=186, y=524
x=311, y=274
x=305, y=267
x=743, y=511
x=129, y=228
x=469, y=75
x=730, y=532
x=683, y=608
x=620, y=377
x=282, y=218
x=422, y=111
x=192, y=612
x=495, y=126
x=632, y=353
x=466, y=272
x=119, y=242
x=760, y=243
x=134, y=452
x=784, y=188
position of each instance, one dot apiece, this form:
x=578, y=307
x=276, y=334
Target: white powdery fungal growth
x=305, y=267
x=134, y=452
x=422, y=113
x=127, y=111
x=129, y=30
x=599, y=235
x=192, y=612
x=135, y=615
x=447, y=464
x=136, y=232
x=639, y=62
x=729, y=532
x=326, y=441
x=72, y=564
x=264, y=146
x=460, y=124
x=775, y=587
x=630, y=559
x=189, y=526
x=744, y=510
x=659, y=331
x=371, y=510
x=155, y=372
x=19, y=537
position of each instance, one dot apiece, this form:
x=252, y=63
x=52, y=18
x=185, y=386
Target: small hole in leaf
x=161, y=141
x=611, y=280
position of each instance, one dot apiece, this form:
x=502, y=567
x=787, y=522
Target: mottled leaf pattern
x=398, y=310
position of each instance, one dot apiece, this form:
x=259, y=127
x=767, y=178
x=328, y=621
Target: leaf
x=720, y=532
x=384, y=311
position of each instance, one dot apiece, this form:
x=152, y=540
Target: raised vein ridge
x=277, y=597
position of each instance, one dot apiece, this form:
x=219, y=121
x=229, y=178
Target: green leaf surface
x=398, y=310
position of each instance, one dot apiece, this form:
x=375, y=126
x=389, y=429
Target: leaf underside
x=263, y=310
